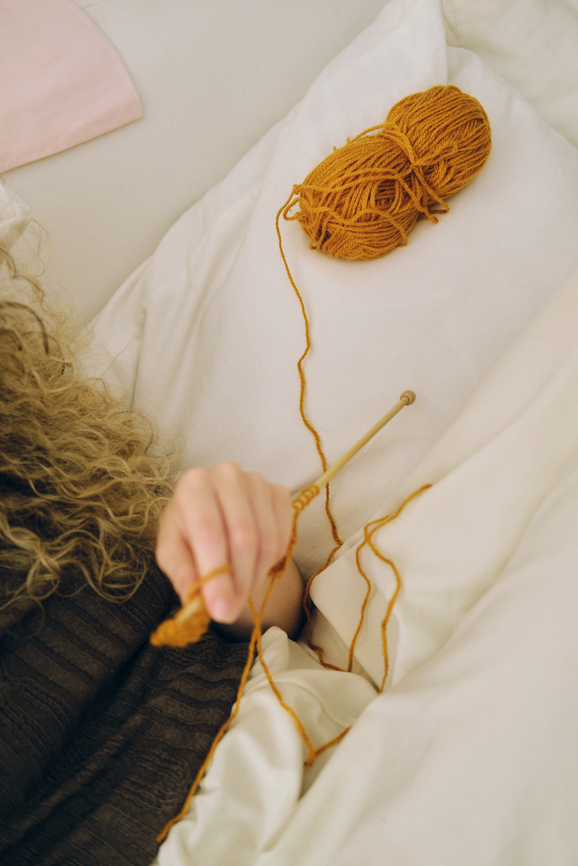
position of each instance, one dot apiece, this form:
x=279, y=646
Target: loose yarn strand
x=299, y=504
x=369, y=531
x=299, y=725
x=244, y=677
x=303, y=382
x=308, y=619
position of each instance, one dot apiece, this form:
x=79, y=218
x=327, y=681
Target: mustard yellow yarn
x=363, y=199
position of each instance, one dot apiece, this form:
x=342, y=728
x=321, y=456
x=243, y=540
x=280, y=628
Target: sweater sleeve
x=101, y=734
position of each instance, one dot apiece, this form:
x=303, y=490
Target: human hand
x=224, y=515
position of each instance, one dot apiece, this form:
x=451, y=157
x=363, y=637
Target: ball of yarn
x=363, y=199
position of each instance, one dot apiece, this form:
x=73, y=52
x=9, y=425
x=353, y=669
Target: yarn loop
x=363, y=199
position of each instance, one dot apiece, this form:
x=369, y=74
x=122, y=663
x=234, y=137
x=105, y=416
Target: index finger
x=201, y=528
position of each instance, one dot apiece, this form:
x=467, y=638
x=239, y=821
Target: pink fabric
x=61, y=81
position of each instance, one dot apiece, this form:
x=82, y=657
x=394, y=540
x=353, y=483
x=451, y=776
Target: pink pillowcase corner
x=62, y=81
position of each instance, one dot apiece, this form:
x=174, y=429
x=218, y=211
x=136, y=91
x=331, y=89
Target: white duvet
x=470, y=756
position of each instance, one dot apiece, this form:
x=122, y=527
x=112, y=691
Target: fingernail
x=220, y=609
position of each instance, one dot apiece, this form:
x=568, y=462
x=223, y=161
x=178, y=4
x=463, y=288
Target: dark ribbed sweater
x=101, y=734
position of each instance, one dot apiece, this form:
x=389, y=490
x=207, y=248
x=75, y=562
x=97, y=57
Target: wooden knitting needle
x=406, y=399
x=196, y=604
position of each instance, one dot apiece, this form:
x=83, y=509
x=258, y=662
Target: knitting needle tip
x=405, y=399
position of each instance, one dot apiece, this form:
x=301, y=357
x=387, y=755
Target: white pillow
x=533, y=44
x=206, y=335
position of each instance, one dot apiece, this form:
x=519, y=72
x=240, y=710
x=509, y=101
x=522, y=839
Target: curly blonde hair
x=80, y=490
